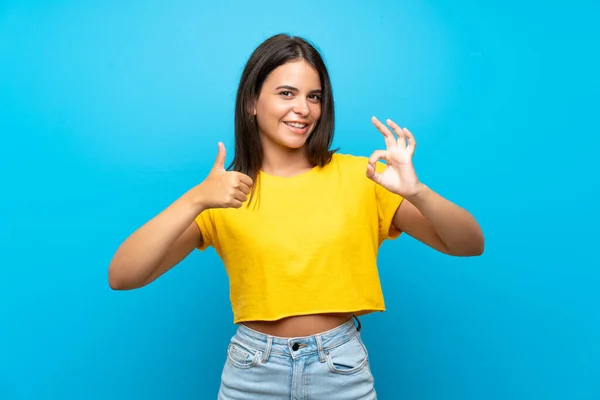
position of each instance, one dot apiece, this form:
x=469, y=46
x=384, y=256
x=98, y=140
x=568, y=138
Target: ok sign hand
x=399, y=176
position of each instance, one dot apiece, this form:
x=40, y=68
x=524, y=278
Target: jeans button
x=295, y=346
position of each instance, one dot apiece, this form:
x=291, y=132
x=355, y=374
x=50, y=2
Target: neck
x=286, y=162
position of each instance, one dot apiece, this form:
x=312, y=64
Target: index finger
x=390, y=139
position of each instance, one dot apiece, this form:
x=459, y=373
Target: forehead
x=299, y=74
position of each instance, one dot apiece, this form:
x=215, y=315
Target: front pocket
x=241, y=357
x=347, y=358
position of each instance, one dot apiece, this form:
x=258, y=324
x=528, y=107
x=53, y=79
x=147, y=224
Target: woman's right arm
x=156, y=246
x=173, y=234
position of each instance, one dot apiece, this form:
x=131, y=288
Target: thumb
x=372, y=165
x=220, y=161
x=372, y=173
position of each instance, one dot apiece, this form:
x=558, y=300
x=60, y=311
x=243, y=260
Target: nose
x=301, y=107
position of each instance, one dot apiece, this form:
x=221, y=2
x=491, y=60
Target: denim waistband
x=297, y=346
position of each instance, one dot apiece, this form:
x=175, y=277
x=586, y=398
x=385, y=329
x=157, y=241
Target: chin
x=292, y=141
x=293, y=144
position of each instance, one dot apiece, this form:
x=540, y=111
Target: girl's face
x=289, y=105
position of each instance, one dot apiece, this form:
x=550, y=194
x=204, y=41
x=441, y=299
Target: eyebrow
x=296, y=89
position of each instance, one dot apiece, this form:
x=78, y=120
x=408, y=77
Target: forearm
x=455, y=227
x=142, y=252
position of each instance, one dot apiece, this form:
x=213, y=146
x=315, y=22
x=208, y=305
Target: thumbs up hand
x=222, y=188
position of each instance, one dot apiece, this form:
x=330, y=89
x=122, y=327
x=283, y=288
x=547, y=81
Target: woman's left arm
x=439, y=223
x=423, y=214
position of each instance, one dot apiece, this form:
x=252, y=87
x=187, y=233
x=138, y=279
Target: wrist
x=196, y=199
x=420, y=194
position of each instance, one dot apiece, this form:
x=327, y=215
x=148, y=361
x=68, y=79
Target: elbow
x=116, y=280
x=116, y=285
x=476, y=249
x=473, y=249
x=481, y=248
x=476, y=244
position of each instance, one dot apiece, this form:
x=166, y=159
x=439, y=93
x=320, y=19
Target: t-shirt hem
x=358, y=312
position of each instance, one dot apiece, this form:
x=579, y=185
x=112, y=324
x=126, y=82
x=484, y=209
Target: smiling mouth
x=296, y=125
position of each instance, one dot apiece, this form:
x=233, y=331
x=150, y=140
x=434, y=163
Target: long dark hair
x=272, y=53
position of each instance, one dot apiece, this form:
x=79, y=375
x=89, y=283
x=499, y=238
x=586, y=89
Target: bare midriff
x=298, y=326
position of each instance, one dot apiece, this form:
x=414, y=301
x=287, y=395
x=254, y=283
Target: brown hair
x=272, y=53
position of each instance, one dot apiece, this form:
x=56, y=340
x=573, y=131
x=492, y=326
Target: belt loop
x=320, y=348
x=359, y=327
x=267, y=352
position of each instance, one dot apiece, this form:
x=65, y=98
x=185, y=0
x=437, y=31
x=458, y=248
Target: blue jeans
x=332, y=365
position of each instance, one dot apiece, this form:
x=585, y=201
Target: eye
x=315, y=97
x=286, y=93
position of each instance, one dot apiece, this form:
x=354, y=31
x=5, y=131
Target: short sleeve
x=207, y=228
x=387, y=204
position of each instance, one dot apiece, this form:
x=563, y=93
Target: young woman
x=298, y=227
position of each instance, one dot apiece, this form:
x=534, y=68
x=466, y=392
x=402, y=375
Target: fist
x=222, y=188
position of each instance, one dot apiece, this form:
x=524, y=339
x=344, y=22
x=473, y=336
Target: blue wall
x=110, y=111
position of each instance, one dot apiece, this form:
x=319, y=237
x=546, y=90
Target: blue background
x=109, y=111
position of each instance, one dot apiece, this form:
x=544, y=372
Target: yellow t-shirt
x=306, y=244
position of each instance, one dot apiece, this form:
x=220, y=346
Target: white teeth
x=296, y=125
